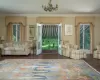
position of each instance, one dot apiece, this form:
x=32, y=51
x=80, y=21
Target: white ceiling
x=35, y=6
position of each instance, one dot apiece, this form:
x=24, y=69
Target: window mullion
x=83, y=35
x=16, y=32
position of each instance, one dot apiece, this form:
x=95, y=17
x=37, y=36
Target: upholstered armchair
x=77, y=53
x=63, y=48
x=66, y=48
x=96, y=53
x=69, y=50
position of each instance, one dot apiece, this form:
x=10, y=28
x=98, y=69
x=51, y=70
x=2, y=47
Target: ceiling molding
x=44, y=15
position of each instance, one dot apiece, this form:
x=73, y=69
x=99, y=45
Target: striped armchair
x=77, y=53
x=97, y=52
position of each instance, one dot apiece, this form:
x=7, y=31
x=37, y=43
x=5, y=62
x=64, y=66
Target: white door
x=59, y=39
x=39, y=39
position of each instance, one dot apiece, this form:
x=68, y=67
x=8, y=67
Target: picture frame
x=68, y=29
x=32, y=32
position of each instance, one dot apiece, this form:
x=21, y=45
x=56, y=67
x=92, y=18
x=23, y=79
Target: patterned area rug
x=46, y=69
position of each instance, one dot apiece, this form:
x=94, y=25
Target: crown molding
x=44, y=15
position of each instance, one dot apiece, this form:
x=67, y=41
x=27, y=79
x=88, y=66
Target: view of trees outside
x=85, y=36
x=49, y=37
x=16, y=32
x=49, y=44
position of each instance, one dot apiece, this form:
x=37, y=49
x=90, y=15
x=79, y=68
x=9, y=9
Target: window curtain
x=9, y=32
x=77, y=29
x=15, y=19
x=10, y=20
x=22, y=32
x=85, y=20
x=92, y=36
x=50, y=31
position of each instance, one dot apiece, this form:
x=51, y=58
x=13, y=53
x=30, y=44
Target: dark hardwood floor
x=31, y=56
x=93, y=62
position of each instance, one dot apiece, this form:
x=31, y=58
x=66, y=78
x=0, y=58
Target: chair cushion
x=9, y=48
x=18, y=48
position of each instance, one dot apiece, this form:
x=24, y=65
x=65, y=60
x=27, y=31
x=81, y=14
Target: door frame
x=86, y=50
x=40, y=37
x=59, y=39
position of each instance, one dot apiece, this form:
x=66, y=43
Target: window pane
x=81, y=36
x=87, y=37
x=18, y=32
x=14, y=32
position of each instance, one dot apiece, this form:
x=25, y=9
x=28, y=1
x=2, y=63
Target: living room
x=44, y=44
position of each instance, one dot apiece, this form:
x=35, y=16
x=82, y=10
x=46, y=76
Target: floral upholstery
x=78, y=54
x=72, y=51
x=66, y=48
x=14, y=48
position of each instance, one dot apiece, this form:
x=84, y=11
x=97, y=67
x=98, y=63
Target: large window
x=85, y=36
x=16, y=32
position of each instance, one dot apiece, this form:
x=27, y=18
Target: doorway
x=48, y=38
x=85, y=37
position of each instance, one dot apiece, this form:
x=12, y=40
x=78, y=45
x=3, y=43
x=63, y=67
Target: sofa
x=16, y=48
